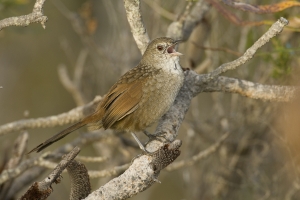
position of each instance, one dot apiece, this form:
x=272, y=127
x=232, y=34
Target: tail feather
x=64, y=133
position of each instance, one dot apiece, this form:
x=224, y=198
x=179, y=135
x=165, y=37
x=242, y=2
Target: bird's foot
x=158, y=137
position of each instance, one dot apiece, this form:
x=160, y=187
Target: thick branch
x=252, y=90
x=37, y=16
x=134, y=16
x=140, y=175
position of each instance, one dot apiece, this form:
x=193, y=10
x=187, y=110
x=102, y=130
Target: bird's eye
x=160, y=48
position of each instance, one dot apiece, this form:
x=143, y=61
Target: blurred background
x=92, y=41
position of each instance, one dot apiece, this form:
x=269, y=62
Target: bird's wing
x=122, y=100
x=124, y=97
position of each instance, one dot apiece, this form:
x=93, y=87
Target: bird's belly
x=158, y=96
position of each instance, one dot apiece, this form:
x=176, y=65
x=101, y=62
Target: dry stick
x=37, y=16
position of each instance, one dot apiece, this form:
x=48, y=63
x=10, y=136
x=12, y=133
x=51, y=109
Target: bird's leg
x=139, y=143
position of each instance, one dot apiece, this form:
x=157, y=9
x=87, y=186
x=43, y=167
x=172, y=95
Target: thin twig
x=37, y=16
x=70, y=85
x=43, y=161
x=91, y=159
x=80, y=66
x=274, y=30
x=160, y=10
x=183, y=28
x=201, y=155
x=72, y=116
x=12, y=173
x=218, y=49
x=16, y=156
x=108, y=172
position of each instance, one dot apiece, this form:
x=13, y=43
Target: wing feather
x=122, y=101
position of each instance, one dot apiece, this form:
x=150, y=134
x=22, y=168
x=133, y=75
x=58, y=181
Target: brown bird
x=140, y=97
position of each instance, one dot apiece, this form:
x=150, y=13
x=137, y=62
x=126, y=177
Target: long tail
x=63, y=133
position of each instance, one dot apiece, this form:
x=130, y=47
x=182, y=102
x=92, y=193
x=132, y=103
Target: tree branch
x=274, y=30
x=138, y=30
x=65, y=118
x=14, y=172
x=70, y=85
x=201, y=155
x=252, y=90
x=42, y=160
x=140, y=175
x=37, y=16
x=14, y=160
x=41, y=190
x=183, y=28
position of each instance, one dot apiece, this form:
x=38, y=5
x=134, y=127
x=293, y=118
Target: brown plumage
x=140, y=97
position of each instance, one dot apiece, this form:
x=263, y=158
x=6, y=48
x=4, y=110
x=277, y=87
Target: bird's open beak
x=171, y=49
